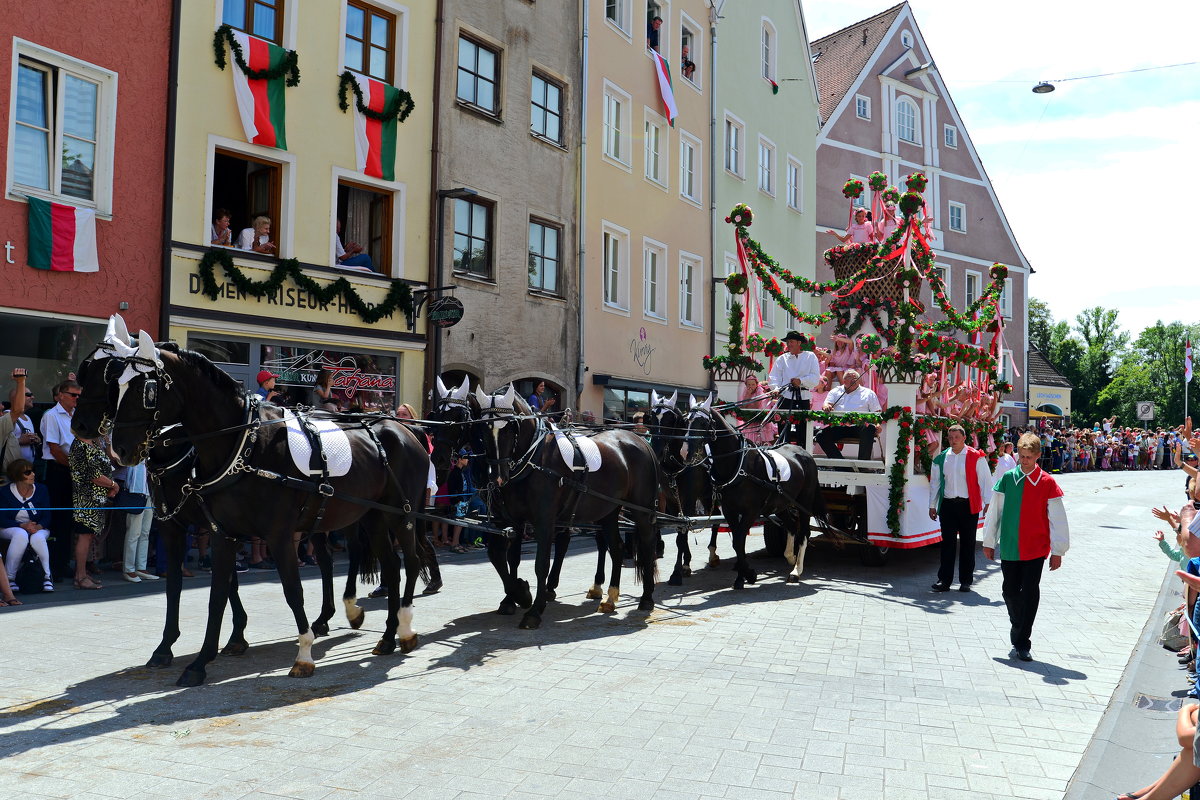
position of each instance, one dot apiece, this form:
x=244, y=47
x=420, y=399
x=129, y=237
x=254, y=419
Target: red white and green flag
x=670, y=110
x=374, y=139
x=62, y=238
x=260, y=102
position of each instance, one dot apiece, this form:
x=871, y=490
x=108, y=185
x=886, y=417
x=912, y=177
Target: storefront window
x=49, y=349
x=360, y=380
x=222, y=351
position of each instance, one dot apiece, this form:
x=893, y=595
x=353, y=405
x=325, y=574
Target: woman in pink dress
x=887, y=223
x=753, y=397
x=861, y=231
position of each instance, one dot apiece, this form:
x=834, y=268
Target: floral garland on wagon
x=734, y=356
x=289, y=68
x=399, y=296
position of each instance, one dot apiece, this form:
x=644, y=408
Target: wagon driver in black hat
x=792, y=378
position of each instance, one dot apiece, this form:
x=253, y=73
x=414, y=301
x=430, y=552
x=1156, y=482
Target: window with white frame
x=478, y=75
x=767, y=303
x=973, y=282
x=957, y=217
x=615, y=252
x=906, y=38
x=653, y=151
x=795, y=184
x=950, y=136
x=62, y=114
x=690, y=167
x=768, y=48
x=617, y=12
x=861, y=200
x=616, y=125
x=545, y=255
x=689, y=50
x=906, y=120
x=1006, y=299
x=1002, y=369
x=691, y=295
x=766, y=166
x=545, y=109
x=654, y=261
x=735, y=146
x=862, y=106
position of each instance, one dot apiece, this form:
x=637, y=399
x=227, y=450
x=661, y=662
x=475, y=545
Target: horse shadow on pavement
x=141, y=696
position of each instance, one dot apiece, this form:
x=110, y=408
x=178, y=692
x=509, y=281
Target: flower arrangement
x=742, y=216
x=755, y=343
x=891, y=195
x=877, y=181
x=852, y=189
x=870, y=344
x=736, y=283
x=774, y=348
x=910, y=203
x=916, y=182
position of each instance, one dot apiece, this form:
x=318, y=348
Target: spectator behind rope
x=22, y=523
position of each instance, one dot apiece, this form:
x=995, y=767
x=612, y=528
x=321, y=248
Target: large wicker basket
x=877, y=288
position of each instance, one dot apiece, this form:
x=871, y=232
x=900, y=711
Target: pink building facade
x=885, y=108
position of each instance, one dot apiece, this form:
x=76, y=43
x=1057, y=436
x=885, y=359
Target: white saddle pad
x=334, y=442
x=783, y=470
x=591, y=452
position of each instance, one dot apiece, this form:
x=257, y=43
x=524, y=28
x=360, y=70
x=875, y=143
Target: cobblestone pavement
x=858, y=682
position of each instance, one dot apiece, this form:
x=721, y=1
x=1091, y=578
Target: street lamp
x=460, y=192
x=1045, y=87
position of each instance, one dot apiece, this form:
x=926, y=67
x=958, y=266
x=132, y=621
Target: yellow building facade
x=646, y=287
x=309, y=191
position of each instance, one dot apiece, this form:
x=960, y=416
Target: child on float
x=861, y=231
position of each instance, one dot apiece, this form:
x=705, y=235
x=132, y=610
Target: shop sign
x=641, y=350
x=445, y=311
x=348, y=376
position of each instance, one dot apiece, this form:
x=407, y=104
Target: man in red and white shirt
x=960, y=487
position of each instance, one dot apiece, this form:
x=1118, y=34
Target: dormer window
x=906, y=38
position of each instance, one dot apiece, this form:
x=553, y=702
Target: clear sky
x=1099, y=178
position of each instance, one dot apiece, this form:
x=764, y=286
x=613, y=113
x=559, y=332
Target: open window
x=366, y=217
x=247, y=187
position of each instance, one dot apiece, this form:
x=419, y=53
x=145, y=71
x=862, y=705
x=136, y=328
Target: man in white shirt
x=57, y=439
x=794, y=374
x=960, y=488
x=850, y=397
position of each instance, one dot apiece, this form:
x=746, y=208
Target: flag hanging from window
x=1187, y=361
x=260, y=102
x=374, y=139
x=670, y=111
x=62, y=238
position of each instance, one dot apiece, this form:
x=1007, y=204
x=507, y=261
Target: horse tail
x=652, y=521
x=368, y=559
x=422, y=555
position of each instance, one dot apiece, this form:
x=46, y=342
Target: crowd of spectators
x=1107, y=446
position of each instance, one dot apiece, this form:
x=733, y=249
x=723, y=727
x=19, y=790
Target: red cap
x=265, y=375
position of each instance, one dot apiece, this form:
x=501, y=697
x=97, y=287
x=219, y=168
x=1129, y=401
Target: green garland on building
x=398, y=109
x=289, y=67
x=399, y=296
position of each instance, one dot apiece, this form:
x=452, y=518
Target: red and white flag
x=375, y=140
x=260, y=102
x=663, y=72
x=62, y=238
x=1187, y=361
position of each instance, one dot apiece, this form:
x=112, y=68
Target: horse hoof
x=386, y=646
x=793, y=578
x=302, y=669
x=524, y=598
x=607, y=608
x=687, y=570
x=675, y=580
x=751, y=576
x=191, y=677
x=409, y=644
x=739, y=584
x=160, y=660
x=434, y=586
x=320, y=628
x=550, y=595
x=646, y=605
x=530, y=622
x=357, y=622
x=507, y=608
x=235, y=648
x=713, y=561
x=594, y=594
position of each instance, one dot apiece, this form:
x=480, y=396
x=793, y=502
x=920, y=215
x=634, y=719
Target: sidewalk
x=1135, y=740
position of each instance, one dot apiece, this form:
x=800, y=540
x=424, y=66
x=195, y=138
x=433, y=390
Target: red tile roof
x=843, y=55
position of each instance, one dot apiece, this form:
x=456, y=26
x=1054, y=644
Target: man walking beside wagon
x=960, y=487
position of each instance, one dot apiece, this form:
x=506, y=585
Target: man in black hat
x=792, y=378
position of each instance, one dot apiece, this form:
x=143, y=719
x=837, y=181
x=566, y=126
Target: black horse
x=748, y=488
x=537, y=487
x=688, y=489
x=251, y=486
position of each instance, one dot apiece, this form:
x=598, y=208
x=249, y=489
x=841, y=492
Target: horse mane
x=207, y=369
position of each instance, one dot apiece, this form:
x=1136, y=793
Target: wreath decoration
x=910, y=203
x=774, y=348
x=289, y=68
x=399, y=296
x=891, y=195
x=399, y=109
x=916, y=182
x=877, y=181
x=741, y=215
x=755, y=343
x=736, y=283
x=852, y=189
